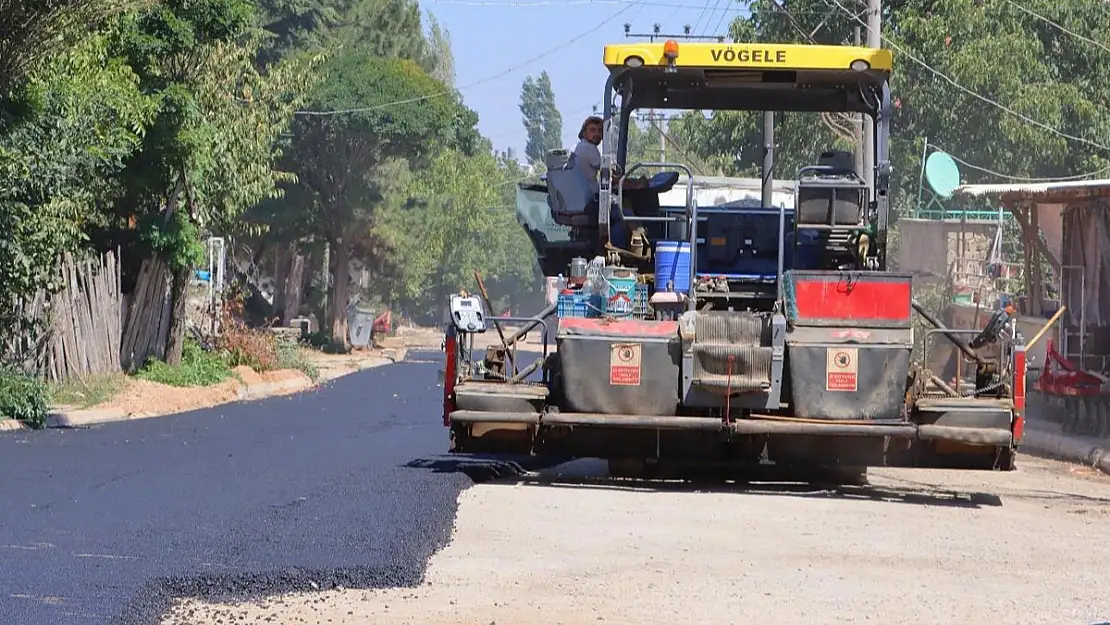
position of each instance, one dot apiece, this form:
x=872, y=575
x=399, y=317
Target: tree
x=209, y=152
x=82, y=117
x=457, y=222
x=390, y=27
x=32, y=31
x=992, y=49
x=439, y=50
x=542, y=120
x=348, y=164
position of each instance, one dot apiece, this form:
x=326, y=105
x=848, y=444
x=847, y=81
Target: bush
x=23, y=397
x=241, y=344
x=293, y=356
x=198, y=368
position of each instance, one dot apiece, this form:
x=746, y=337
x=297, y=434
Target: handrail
x=691, y=217
x=529, y=322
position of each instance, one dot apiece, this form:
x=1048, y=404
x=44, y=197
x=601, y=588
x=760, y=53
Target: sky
x=498, y=43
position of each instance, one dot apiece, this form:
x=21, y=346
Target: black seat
x=831, y=193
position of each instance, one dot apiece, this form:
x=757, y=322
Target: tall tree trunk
x=175, y=341
x=294, y=287
x=339, y=301
x=175, y=338
x=281, y=272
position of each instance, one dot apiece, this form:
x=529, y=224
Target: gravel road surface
x=313, y=490
x=917, y=548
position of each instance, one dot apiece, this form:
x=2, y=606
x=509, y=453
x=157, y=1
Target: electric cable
x=483, y=81
x=952, y=82
x=1058, y=26
x=961, y=161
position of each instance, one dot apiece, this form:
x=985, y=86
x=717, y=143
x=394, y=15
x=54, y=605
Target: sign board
x=624, y=364
x=841, y=369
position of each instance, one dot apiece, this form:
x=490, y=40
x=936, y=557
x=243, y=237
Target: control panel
x=467, y=314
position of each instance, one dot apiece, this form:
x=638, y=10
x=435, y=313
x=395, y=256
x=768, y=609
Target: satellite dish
x=942, y=174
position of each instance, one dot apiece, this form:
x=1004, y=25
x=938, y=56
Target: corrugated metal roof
x=1041, y=189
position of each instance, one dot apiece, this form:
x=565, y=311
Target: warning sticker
x=841, y=369
x=624, y=364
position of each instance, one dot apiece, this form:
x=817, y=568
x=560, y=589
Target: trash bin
x=360, y=326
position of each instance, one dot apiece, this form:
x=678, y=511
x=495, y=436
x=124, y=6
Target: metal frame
x=1008, y=338
x=878, y=210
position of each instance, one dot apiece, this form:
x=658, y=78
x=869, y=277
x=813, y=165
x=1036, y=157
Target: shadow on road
x=764, y=480
x=484, y=468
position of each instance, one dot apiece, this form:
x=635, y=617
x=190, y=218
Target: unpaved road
x=914, y=547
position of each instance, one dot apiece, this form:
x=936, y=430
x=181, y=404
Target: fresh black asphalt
x=346, y=485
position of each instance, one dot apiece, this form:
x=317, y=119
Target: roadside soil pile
x=142, y=398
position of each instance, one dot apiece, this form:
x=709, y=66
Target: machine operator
x=587, y=157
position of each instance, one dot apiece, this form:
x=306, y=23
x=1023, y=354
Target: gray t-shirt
x=587, y=158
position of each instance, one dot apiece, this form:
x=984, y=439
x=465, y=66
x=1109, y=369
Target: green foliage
x=177, y=240
x=198, y=368
x=990, y=48
x=293, y=356
x=542, y=120
x=456, y=223
x=81, y=116
x=23, y=397
x=212, y=143
x=34, y=33
x=439, y=52
x=388, y=28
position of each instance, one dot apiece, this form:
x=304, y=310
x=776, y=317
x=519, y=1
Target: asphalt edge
x=247, y=392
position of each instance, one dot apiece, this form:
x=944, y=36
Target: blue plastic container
x=672, y=262
x=577, y=305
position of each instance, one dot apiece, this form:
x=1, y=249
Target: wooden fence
x=80, y=325
x=147, y=316
x=89, y=327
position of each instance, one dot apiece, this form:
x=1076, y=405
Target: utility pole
x=861, y=121
x=874, y=40
x=662, y=142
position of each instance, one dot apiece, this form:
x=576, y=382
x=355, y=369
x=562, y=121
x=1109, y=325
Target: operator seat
x=832, y=192
x=572, y=199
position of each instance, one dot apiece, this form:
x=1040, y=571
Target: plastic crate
x=577, y=305
x=640, y=308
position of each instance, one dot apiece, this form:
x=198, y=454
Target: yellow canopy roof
x=757, y=56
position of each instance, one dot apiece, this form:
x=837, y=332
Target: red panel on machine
x=1019, y=379
x=852, y=300
x=619, y=327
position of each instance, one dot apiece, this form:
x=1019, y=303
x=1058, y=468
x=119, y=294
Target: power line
x=581, y=109
x=724, y=14
x=704, y=8
x=1018, y=178
x=557, y=48
x=1058, y=26
x=944, y=77
x=563, y=3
